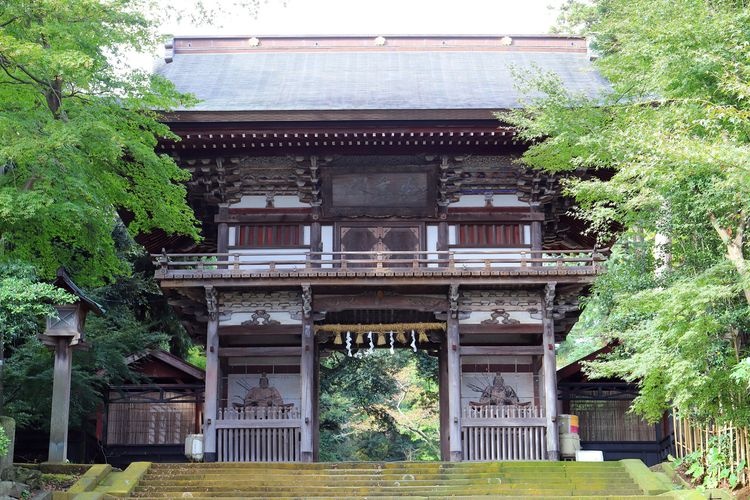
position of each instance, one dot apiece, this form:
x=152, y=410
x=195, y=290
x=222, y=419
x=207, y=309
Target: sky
x=378, y=17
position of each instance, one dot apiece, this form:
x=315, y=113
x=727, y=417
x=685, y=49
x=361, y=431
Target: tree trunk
x=733, y=245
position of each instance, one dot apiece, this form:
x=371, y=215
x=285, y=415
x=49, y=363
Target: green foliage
x=665, y=153
x=379, y=406
x=659, y=165
x=137, y=318
x=24, y=300
x=78, y=136
x=196, y=356
x=709, y=468
x=4, y=442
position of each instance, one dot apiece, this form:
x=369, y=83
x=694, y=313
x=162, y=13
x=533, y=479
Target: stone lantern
x=64, y=332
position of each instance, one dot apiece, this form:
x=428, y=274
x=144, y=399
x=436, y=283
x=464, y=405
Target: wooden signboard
x=403, y=191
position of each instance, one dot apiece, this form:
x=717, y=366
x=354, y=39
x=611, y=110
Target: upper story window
x=492, y=235
x=268, y=236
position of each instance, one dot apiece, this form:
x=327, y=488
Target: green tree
x=662, y=161
x=379, y=406
x=78, y=136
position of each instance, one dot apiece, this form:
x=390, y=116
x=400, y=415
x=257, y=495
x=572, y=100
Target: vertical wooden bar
x=443, y=401
x=58, y=436
x=550, y=373
x=222, y=238
x=316, y=242
x=212, y=377
x=307, y=376
x=454, y=389
x=316, y=404
x=536, y=238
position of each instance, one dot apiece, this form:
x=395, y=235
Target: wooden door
x=381, y=239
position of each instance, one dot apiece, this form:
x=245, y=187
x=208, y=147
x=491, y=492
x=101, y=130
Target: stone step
x=411, y=478
x=392, y=465
x=437, y=497
x=392, y=492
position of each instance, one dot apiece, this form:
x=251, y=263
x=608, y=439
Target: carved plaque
x=407, y=191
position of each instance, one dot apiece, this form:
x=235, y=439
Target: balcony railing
x=250, y=262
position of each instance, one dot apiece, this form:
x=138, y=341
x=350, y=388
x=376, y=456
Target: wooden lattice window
x=490, y=235
x=269, y=236
x=610, y=421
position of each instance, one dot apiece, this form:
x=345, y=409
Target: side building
x=358, y=193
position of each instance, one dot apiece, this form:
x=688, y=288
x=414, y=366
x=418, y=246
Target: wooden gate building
x=358, y=193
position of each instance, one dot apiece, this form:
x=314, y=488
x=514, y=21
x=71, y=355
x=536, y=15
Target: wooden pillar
x=443, y=401
x=316, y=404
x=222, y=234
x=222, y=238
x=307, y=378
x=211, y=395
x=58, y=432
x=442, y=237
x=453, y=361
x=550, y=372
x=536, y=235
x=316, y=241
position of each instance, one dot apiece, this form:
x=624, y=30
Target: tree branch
x=6, y=23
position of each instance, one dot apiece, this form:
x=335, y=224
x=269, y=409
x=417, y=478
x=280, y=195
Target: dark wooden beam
x=236, y=352
x=502, y=350
x=260, y=330
x=521, y=328
x=373, y=300
x=265, y=218
x=495, y=217
x=430, y=115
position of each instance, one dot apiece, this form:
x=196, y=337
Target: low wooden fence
x=504, y=433
x=335, y=262
x=258, y=435
x=690, y=437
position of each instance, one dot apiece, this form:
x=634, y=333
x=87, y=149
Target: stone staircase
x=627, y=479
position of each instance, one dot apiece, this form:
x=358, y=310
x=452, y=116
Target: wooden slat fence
x=145, y=423
x=690, y=436
x=258, y=435
x=503, y=433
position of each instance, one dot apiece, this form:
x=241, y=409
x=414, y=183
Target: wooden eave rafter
x=339, y=139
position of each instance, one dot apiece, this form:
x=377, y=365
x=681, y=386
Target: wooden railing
x=503, y=433
x=337, y=262
x=258, y=434
x=732, y=441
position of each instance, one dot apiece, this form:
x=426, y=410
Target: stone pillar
x=453, y=358
x=58, y=431
x=550, y=372
x=9, y=426
x=211, y=394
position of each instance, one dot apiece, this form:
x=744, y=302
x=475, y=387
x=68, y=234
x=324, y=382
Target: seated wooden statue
x=498, y=394
x=263, y=396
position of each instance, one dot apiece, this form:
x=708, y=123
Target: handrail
x=425, y=261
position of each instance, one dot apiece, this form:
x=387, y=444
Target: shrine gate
x=358, y=193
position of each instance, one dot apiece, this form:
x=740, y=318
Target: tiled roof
x=368, y=80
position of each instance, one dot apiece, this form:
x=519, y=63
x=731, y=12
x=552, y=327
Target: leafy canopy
x=663, y=164
x=78, y=136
